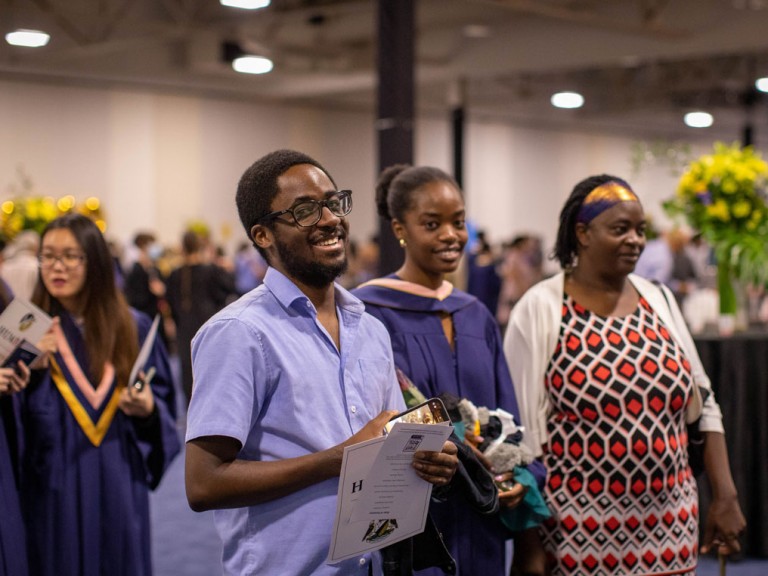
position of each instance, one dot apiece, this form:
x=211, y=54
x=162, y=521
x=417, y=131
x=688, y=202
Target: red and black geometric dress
x=618, y=481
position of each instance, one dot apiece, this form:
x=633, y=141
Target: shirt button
x=353, y=409
x=362, y=561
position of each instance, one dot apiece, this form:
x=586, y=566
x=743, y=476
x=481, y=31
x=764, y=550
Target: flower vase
x=732, y=316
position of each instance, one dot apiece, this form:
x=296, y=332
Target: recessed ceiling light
x=252, y=64
x=245, y=4
x=762, y=84
x=567, y=100
x=27, y=38
x=698, y=119
x=476, y=31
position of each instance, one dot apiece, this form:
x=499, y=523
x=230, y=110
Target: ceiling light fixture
x=476, y=31
x=245, y=4
x=762, y=84
x=252, y=64
x=698, y=119
x=567, y=100
x=27, y=38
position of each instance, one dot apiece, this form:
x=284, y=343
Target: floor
x=185, y=543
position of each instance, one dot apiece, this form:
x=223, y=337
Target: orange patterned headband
x=602, y=198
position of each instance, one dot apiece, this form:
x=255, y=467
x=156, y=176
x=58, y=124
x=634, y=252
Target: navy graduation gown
x=87, y=470
x=13, y=557
x=475, y=369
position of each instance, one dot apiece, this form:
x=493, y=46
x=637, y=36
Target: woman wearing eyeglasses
x=443, y=339
x=94, y=443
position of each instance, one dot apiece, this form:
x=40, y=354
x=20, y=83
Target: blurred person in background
x=483, y=281
x=666, y=260
x=195, y=291
x=250, y=268
x=116, y=250
x=19, y=269
x=522, y=266
x=144, y=285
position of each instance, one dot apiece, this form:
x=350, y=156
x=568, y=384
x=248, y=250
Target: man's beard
x=309, y=272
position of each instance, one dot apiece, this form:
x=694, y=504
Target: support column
x=394, y=123
x=458, y=118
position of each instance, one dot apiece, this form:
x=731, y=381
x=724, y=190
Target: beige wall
x=159, y=161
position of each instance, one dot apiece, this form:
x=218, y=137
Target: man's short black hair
x=258, y=185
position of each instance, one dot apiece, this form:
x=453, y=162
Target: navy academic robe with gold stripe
x=88, y=468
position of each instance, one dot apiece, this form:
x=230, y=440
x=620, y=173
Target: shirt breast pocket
x=374, y=379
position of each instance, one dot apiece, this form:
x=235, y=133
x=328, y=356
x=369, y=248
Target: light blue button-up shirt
x=268, y=374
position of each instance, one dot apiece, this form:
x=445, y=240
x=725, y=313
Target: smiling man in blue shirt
x=285, y=378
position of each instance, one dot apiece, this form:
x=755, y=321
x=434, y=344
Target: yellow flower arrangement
x=35, y=212
x=723, y=191
x=722, y=195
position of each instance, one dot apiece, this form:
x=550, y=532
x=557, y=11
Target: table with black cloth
x=738, y=368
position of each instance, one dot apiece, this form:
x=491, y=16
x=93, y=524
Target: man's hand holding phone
x=430, y=412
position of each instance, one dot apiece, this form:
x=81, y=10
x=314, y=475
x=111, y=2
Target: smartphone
x=25, y=352
x=430, y=412
x=139, y=384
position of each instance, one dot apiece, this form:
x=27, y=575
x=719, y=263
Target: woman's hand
x=723, y=526
x=725, y=522
x=47, y=345
x=137, y=403
x=473, y=442
x=510, y=497
x=14, y=380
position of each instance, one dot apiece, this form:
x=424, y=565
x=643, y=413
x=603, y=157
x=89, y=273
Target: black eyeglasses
x=308, y=212
x=70, y=260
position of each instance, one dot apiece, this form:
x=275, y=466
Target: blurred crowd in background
x=188, y=282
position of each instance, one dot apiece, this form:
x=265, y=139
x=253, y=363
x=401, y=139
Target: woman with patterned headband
x=607, y=376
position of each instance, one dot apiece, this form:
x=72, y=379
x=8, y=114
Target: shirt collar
x=288, y=294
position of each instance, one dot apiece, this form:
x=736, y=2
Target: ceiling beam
x=649, y=24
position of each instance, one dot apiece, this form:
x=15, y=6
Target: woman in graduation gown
x=13, y=558
x=444, y=340
x=94, y=443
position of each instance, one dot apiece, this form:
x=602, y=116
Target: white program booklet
x=381, y=499
x=146, y=348
x=22, y=325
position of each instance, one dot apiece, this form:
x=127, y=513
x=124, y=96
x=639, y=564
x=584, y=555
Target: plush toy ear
x=468, y=413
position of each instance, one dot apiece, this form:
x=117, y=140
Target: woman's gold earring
x=403, y=243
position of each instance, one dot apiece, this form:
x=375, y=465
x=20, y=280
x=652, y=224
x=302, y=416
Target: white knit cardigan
x=531, y=339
